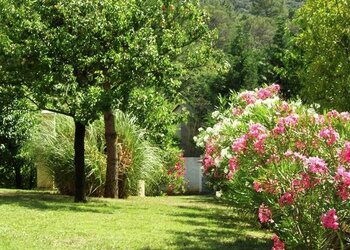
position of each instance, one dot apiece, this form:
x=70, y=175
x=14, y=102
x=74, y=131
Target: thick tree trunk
x=111, y=186
x=79, y=162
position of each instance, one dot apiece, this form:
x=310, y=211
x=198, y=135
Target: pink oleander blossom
x=286, y=199
x=240, y=144
x=248, y=96
x=291, y=120
x=277, y=243
x=237, y=111
x=343, y=192
x=298, y=156
x=284, y=107
x=345, y=154
x=345, y=116
x=330, y=219
x=264, y=93
x=256, y=129
x=265, y=214
x=329, y=135
x=273, y=159
x=274, y=88
x=208, y=162
x=233, y=164
x=316, y=165
x=343, y=179
x=257, y=187
x=300, y=145
x=288, y=153
x=343, y=175
x=279, y=129
x=209, y=149
x=229, y=175
x=259, y=144
x=320, y=119
x=333, y=114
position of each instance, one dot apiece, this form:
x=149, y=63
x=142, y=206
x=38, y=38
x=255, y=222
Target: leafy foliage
x=323, y=43
x=16, y=124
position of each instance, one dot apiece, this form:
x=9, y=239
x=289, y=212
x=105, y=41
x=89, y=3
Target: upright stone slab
x=193, y=174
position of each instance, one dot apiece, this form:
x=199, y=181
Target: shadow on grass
x=48, y=201
x=218, y=227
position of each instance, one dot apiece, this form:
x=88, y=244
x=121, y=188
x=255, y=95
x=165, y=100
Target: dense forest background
x=254, y=38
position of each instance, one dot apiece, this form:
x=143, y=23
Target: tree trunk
x=79, y=162
x=111, y=190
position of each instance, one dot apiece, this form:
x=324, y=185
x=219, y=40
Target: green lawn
x=38, y=220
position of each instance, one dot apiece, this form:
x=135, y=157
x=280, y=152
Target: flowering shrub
x=176, y=177
x=287, y=163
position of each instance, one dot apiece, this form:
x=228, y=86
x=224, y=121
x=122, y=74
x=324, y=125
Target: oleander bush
x=286, y=162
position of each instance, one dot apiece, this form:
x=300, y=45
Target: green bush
x=52, y=146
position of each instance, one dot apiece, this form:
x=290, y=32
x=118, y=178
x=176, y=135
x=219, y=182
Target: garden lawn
x=40, y=220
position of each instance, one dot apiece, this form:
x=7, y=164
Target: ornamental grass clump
x=287, y=163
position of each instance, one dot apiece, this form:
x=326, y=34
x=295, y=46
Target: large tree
x=323, y=46
x=82, y=57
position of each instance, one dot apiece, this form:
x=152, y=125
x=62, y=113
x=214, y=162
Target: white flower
x=215, y=114
x=217, y=161
x=270, y=102
x=209, y=130
x=226, y=153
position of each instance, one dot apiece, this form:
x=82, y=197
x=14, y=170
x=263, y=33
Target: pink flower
x=237, y=111
x=280, y=129
x=284, y=107
x=274, y=88
x=209, y=149
x=233, y=164
x=264, y=214
x=208, y=162
x=288, y=153
x=329, y=135
x=273, y=159
x=286, y=199
x=345, y=117
x=264, y=93
x=299, y=144
x=240, y=144
x=248, y=97
x=316, y=165
x=343, y=176
x=345, y=154
x=333, y=114
x=256, y=129
x=259, y=144
x=320, y=119
x=330, y=219
x=229, y=175
x=343, y=191
x=257, y=187
x=291, y=120
x=277, y=243
x=300, y=157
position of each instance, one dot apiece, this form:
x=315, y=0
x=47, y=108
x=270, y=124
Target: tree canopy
x=324, y=44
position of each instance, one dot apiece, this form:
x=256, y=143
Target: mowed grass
x=40, y=220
